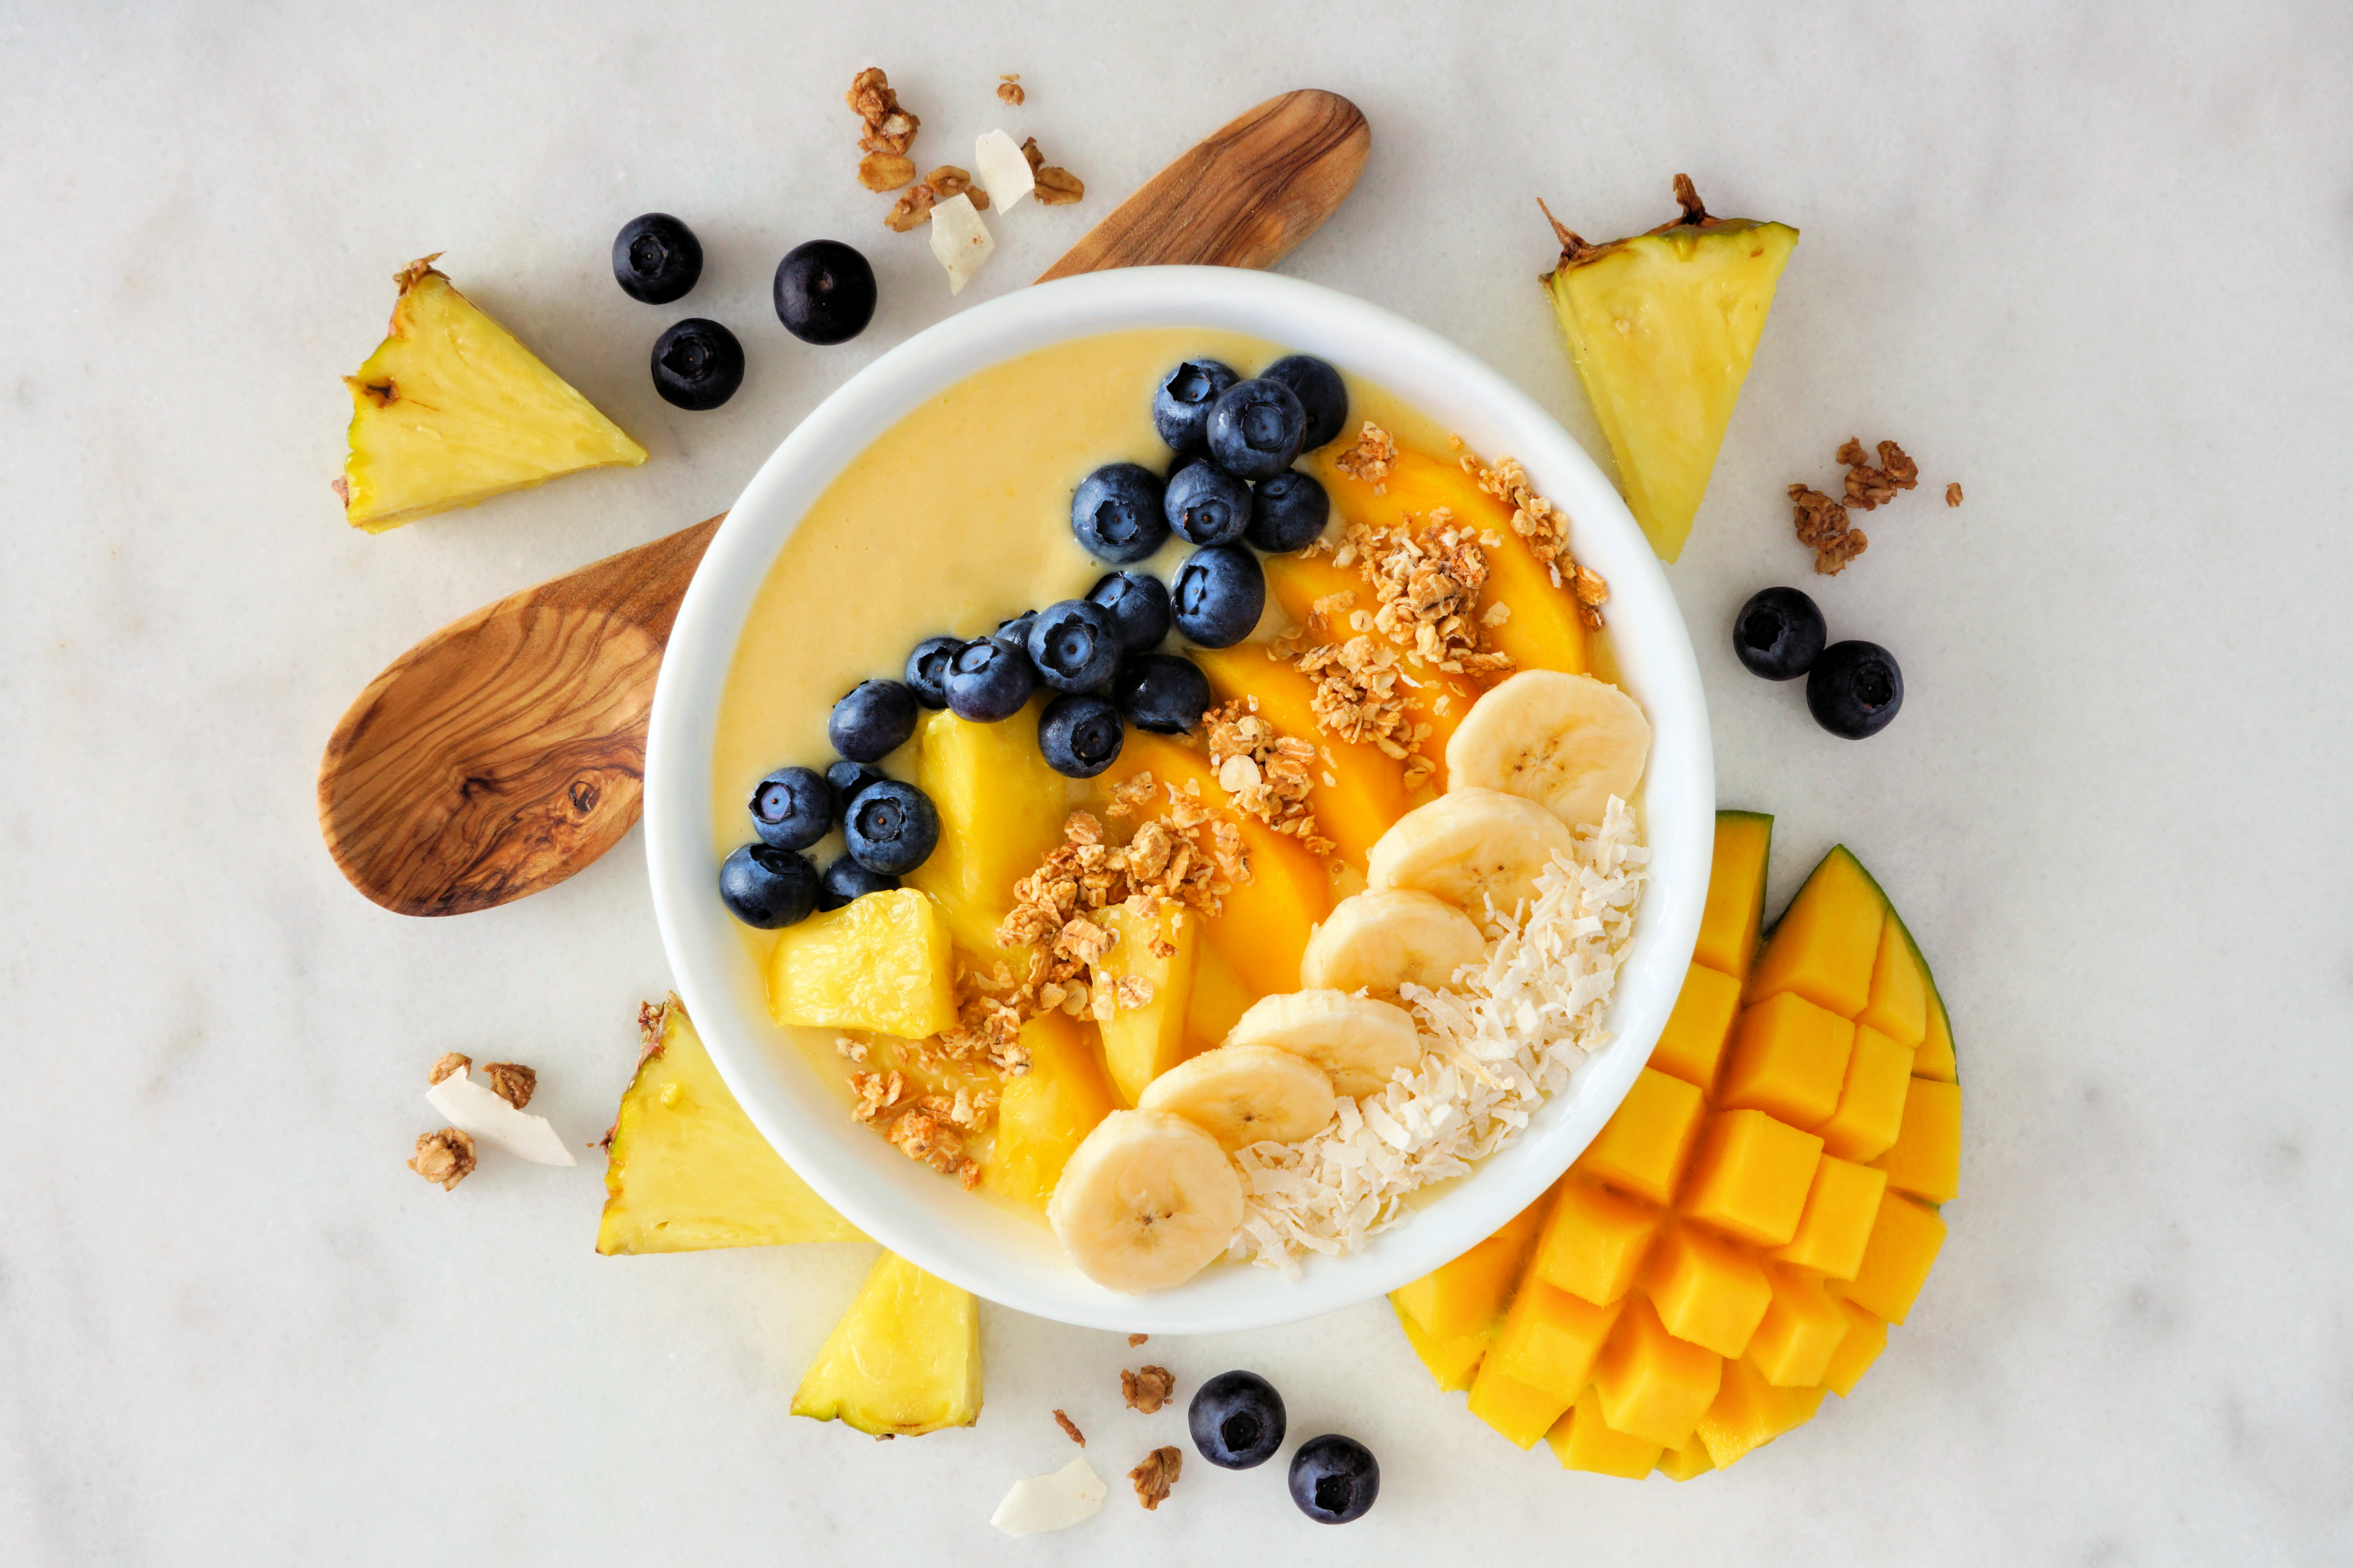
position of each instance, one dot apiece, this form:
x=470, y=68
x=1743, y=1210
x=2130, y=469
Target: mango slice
x=1047, y=1112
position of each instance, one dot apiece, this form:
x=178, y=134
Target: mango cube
x=1550, y=1339
x=1047, y=1112
x=1519, y=1411
x=1871, y=1106
x=1899, y=989
x=1651, y=1384
x=881, y=963
x=1736, y=892
x=1464, y=1295
x=1836, y=1226
x=1593, y=1242
x=1644, y=1147
x=1751, y=1176
x=1452, y=1361
x=1828, y=944
x=1926, y=1158
x=1582, y=1440
x=1683, y=1464
x=1706, y=1290
x=1692, y=1044
x=1142, y=1043
x=1749, y=1413
x=1864, y=1337
x=1801, y=1330
x=1935, y=1057
x=1788, y=1059
x=1905, y=1237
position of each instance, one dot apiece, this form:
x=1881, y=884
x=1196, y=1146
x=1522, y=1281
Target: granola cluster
x=890, y=132
x=945, y=183
x=1546, y=528
x=1823, y=528
x=930, y=1128
x=1821, y=521
x=1369, y=457
x=1148, y=1389
x=1358, y=696
x=1009, y=90
x=446, y=1157
x=1152, y=1478
x=1055, y=186
x=1869, y=487
x=1269, y=774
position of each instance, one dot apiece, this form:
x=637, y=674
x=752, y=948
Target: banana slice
x=1566, y=742
x=1241, y=1095
x=1469, y=845
x=1145, y=1200
x=1379, y=941
x=1357, y=1040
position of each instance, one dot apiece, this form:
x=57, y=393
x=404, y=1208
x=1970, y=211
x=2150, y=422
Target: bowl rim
x=982, y=1246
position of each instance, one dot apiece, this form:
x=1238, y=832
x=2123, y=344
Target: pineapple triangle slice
x=686, y=1169
x=904, y=1361
x=1661, y=328
x=450, y=410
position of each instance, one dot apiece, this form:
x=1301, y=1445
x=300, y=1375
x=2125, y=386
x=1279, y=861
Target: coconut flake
x=1050, y=1502
x=472, y=1107
x=960, y=239
x=1003, y=171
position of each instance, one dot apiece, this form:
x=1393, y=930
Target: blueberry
x=1237, y=1420
x=766, y=888
x=656, y=259
x=1779, y=633
x=851, y=780
x=1116, y=513
x=1015, y=630
x=1206, y=505
x=1161, y=692
x=1256, y=428
x=1334, y=1478
x=1288, y=513
x=1075, y=645
x=1321, y=393
x=792, y=808
x=698, y=364
x=874, y=721
x=825, y=292
x=989, y=679
x=1854, y=689
x=1218, y=595
x=1079, y=735
x=1181, y=409
x=1138, y=601
x=846, y=879
x=891, y=828
x=928, y=670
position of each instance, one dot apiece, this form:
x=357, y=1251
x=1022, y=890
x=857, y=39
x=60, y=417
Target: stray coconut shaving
x=1519, y=1027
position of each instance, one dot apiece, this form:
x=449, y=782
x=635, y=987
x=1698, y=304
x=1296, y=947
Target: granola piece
x=1823, y=528
x=1265, y=773
x=513, y=1082
x=877, y=1093
x=922, y=1131
x=1156, y=1476
x=1055, y=186
x=1135, y=1339
x=446, y=1157
x=1009, y=90
x=1428, y=588
x=885, y=170
x=450, y=1061
x=1869, y=487
x=1148, y=1389
x=1953, y=493
x=1132, y=991
x=948, y=182
x=889, y=127
x=1370, y=457
x=1069, y=1429
x=912, y=210
x=1546, y=528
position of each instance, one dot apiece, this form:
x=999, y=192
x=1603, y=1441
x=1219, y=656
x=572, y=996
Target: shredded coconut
x=1524, y=1019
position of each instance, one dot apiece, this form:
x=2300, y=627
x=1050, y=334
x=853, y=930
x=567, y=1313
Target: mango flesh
x=1366, y=792
x=1047, y=1112
x=1139, y=1044
x=1738, y=1270
x=904, y=1361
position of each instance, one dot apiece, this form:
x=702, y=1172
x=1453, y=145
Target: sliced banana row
x=1357, y=1041
x=1470, y=847
x=1566, y=742
x=1145, y=1201
x=1379, y=941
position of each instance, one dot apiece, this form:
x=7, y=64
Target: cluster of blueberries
x=1231, y=487
x=1237, y=1421
x=1853, y=689
x=824, y=294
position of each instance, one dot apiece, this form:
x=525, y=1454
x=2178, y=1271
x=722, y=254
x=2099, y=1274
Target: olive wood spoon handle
x=507, y=751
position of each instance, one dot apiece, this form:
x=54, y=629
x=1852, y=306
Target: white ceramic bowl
x=1004, y=1256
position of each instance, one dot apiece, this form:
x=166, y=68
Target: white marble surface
x=2089, y=261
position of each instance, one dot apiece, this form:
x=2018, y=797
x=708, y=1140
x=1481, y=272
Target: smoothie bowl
x=1178, y=800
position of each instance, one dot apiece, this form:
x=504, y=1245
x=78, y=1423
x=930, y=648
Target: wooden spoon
x=507, y=751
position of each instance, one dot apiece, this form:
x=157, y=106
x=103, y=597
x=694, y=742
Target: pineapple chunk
x=1000, y=814
x=880, y=962
x=1142, y=1043
x=1661, y=327
x=451, y=410
x=904, y=1361
x=685, y=1169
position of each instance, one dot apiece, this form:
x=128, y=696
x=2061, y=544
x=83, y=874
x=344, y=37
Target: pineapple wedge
x=450, y=410
x=904, y=1361
x=1661, y=328
x=685, y=1168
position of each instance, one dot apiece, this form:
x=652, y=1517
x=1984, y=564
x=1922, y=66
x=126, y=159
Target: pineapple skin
x=451, y=409
x=904, y=1361
x=1662, y=328
x=686, y=1171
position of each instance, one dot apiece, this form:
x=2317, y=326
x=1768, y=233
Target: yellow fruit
x=1219, y=999
x=1139, y=1044
x=450, y=410
x=685, y=1169
x=1366, y=791
x=1661, y=327
x=1048, y=1111
x=904, y=1361
x=1001, y=811
x=878, y=963
x=1709, y=1268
